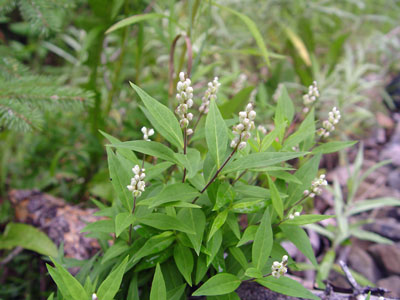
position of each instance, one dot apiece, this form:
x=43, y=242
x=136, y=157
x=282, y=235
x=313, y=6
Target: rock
x=361, y=262
x=391, y=152
x=388, y=256
x=394, y=179
x=392, y=284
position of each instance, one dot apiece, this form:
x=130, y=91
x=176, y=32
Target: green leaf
x=248, y=206
x=300, y=239
x=148, y=147
x=219, y=284
x=118, y=248
x=262, y=242
x=271, y=137
x=213, y=246
x=158, y=290
x=305, y=130
x=253, y=273
x=253, y=30
x=284, y=109
x=133, y=20
x=177, y=292
x=165, y=222
x=365, y=205
x=233, y=223
x=191, y=161
x=260, y=160
x=124, y=152
x=122, y=221
x=239, y=256
x=370, y=236
x=276, y=198
x=110, y=286
x=248, y=235
x=103, y=226
x=120, y=179
x=287, y=286
x=184, y=261
x=305, y=174
x=201, y=268
x=28, y=237
x=69, y=286
x=163, y=119
x=216, y=134
x=331, y=147
x=196, y=219
x=217, y=223
x=154, y=245
x=172, y=193
x=224, y=195
x=234, y=105
x=307, y=219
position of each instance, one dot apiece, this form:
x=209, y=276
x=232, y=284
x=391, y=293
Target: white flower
x=328, y=125
x=210, y=94
x=262, y=129
x=296, y=214
x=279, y=268
x=147, y=133
x=312, y=94
x=185, y=100
x=94, y=296
x=242, y=130
x=137, y=185
x=316, y=185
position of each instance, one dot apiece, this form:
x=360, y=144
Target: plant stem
x=240, y=176
x=218, y=171
x=131, y=226
x=184, y=152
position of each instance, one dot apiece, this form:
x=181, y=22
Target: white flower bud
x=296, y=214
x=189, y=103
x=249, y=107
x=243, y=114
x=94, y=296
x=252, y=115
x=189, y=131
x=291, y=217
x=306, y=192
x=285, y=258
x=190, y=116
x=233, y=143
x=182, y=76
x=242, y=145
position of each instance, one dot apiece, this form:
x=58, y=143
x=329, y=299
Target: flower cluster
x=147, y=133
x=316, y=186
x=137, y=184
x=279, y=268
x=329, y=125
x=185, y=100
x=242, y=130
x=292, y=216
x=312, y=94
x=210, y=94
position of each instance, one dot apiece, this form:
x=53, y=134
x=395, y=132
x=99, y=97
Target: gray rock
x=361, y=262
x=387, y=227
x=388, y=256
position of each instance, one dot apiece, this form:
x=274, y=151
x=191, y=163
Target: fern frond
x=43, y=15
x=17, y=116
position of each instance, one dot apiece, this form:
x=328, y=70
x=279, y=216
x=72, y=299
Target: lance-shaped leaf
x=195, y=219
x=276, y=198
x=162, y=119
x=307, y=219
x=216, y=134
x=287, y=286
x=158, y=290
x=110, y=286
x=334, y=146
x=133, y=20
x=172, y=193
x=219, y=284
x=260, y=160
x=300, y=239
x=165, y=222
x=122, y=221
x=184, y=261
x=153, y=245
x=148, y=147
x=263, y=242
x=217, y=223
